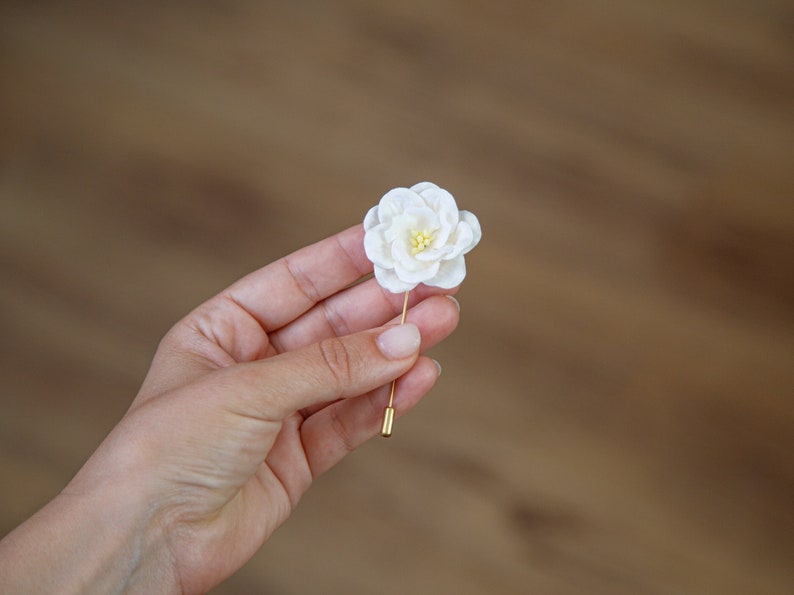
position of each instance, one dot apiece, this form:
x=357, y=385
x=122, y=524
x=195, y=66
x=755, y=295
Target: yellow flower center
x=420, y=240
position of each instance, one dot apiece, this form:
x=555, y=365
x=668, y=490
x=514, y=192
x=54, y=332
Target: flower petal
x=422, y=218
x=462, y=240
x=376, y=247
x=423, y=186
x=395, y=201
x=371, y=220
x=415, y=274
x=474, y=223
x=400, y=253
x=443, y=203
x=442, y=253
x=450, y=274
x=389, y=280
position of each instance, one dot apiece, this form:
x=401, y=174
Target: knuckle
x=334, y=321
x=338, y=360
x=302, y=281
x=341, y=431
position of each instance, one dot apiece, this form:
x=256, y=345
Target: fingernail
x=399, y=342
x=454, y=301
x=438, y=366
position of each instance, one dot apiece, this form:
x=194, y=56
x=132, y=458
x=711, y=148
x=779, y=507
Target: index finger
x=280, y=292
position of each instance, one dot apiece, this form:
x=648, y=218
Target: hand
x=248, y=399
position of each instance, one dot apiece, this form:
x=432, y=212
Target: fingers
x=436, y=318
x=363, y=306
x=335, y=368
x=340, y=428
x=282, y=291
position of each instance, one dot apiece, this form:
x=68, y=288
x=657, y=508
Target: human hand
x=249, y=398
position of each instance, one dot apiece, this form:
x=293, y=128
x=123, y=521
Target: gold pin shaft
x=388, y=413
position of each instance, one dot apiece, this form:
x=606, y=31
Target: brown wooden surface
x=615, y=414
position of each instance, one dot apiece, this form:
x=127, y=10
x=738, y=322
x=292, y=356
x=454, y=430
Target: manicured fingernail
x=454, y=301
x=438, y=366
x=399, y=342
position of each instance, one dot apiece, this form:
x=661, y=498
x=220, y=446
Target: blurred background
x=615, y=414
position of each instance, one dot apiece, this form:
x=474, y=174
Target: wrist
x=88, y=542
x=127, y=548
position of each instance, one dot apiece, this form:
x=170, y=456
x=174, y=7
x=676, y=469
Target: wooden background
x=615, y=414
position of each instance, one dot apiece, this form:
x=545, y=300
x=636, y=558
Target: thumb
x=335, y=368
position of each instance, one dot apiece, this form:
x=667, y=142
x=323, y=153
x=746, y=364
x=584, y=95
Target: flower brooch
x=417, y=235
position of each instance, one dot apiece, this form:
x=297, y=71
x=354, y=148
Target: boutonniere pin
x=417, y=235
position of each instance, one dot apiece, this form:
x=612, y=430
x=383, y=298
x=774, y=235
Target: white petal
x=462, y=240
x=371, y=220
x=422, y=186
x=399, y=228
x=422, y=218
x=429, y=254
x=443, y=203
x=416, y=275
x=395, y=201
x=401, y=254
x=376, y=247
x=450, y=274
x=474, y=223
x=441, y=236
x=399, y=251
x=389, y=280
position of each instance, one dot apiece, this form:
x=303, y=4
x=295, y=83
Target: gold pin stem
x=388, y=413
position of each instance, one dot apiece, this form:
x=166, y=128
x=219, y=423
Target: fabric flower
x=417, y=235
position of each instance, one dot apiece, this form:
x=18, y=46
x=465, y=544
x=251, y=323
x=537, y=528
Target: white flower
x=417, y=235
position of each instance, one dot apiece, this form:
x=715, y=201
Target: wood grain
x=615, y=414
